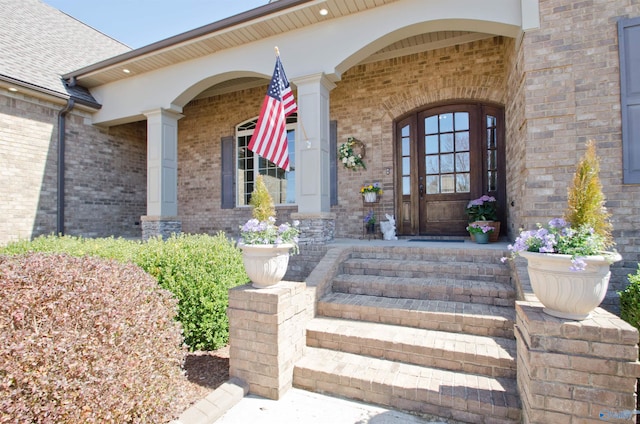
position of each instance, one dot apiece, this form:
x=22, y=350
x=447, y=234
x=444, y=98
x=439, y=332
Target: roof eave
x=229, y=22
x=39, y=91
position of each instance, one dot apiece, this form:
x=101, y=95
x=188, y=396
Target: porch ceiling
x=265, y=21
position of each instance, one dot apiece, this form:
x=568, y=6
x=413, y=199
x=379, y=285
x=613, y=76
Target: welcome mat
x=438, y=240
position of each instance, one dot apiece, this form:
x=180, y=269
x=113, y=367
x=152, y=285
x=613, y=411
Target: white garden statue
x=388, y=228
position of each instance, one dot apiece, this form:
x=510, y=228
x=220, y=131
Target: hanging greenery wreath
x=351, y=154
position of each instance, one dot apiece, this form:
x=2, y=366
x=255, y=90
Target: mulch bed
x=207, y=371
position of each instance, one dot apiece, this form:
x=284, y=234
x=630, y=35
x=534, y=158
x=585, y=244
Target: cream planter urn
x=265, y=264
x=565, y=293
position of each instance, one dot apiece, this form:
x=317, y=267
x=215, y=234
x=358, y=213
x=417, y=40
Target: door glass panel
x=462, y=162
x=492, y=154
x=447, y=182
x=446, y=143
x=431, y=125
x=406, y=186
x=446, y=122
x=433, y=167
x=406, y=160
x=462, y=141
x=463, y=183
x=491, y=138
x=446, y=163
x=462, y=121
x=405, y=146
x=433, y=184
x=406, y=166
x=431, y=144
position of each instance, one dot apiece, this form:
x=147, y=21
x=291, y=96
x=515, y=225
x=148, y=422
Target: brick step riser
x=485, y=326
x=491, y=257
x=471, y=363
x=428, y=270
x=404, y=289
x=411, y=294
x=451, y=404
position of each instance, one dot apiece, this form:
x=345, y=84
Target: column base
x=316, y=228
x=164, y=226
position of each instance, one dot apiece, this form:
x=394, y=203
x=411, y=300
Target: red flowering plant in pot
x=484, y=212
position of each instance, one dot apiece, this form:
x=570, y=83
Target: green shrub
x=199, y=270
x=85, y=340
x=630, y=300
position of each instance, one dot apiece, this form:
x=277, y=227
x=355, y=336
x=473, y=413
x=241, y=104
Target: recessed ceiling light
x=13, y=89
x=126, y=71
x=324, y=12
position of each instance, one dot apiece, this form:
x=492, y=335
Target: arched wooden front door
x=446, y=156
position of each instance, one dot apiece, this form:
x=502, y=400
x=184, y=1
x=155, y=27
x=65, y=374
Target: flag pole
x=304, y=132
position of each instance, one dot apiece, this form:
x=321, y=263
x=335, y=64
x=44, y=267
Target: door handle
x=421, y=189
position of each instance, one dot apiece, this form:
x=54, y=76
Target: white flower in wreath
x=349, y=158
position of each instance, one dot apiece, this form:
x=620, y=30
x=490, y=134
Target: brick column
x=267, y=335
x=575, y=371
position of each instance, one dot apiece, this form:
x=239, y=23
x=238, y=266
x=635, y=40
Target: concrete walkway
x=230, y=404
x=303, y=407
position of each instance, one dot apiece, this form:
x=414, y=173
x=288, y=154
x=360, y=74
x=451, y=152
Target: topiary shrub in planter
x=85, y=340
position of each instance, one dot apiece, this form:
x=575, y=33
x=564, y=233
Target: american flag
x=269, y=139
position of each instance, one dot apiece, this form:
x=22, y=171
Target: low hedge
x=197, y=269
x=87, y=340
x=630, y=300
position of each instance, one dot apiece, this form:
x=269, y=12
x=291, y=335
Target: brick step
x=412, y=269
x=489, y=356
x=449, y=289
x=448, y=394
x=459, y=317
x=490, y=254
x=399, y=268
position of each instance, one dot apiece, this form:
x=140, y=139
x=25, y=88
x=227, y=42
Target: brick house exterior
x=554, y=70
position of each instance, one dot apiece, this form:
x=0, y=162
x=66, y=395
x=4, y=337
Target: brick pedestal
x=575, y=371
x=267, y=335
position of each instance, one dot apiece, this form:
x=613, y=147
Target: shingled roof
x=39, y=43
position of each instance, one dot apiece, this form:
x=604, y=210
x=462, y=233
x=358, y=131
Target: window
x=281, y=184
x=447, y=153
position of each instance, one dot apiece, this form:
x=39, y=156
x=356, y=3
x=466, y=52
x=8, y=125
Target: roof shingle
x=39, y=43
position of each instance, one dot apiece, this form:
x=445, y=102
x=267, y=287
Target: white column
x=162, y=163
x=312, y=144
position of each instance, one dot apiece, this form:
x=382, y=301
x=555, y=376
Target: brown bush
x=87, y=340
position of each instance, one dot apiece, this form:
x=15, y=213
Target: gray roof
x=39, y=43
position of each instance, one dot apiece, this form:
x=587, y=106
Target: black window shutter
x=228, y=185
x=629, y=45
x=333, y=162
